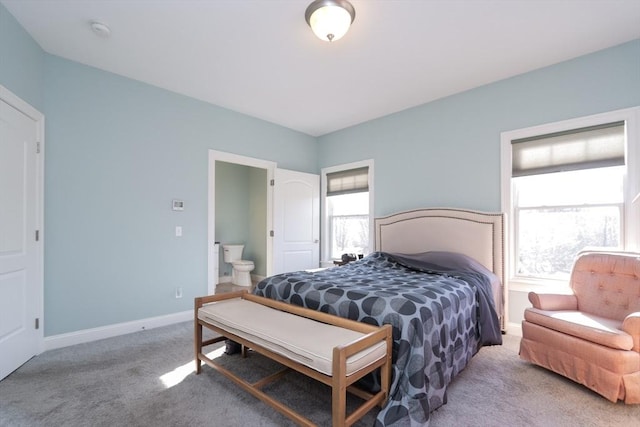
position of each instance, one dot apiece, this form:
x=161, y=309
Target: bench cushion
x=303, y=340
x=589, y=327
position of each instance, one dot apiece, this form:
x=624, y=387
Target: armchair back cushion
x=606, y=284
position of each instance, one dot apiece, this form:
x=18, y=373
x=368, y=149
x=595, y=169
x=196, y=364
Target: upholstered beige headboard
x=479, y=235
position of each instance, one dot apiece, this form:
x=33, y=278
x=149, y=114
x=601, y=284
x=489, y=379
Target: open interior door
x=20, y=262
x=296, y=221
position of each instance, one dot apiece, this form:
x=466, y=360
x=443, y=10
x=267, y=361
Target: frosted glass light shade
x=330, y=19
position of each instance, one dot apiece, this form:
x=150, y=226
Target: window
x=584, y=209
x=348, y=224
x=569, y=187
x=347, y=206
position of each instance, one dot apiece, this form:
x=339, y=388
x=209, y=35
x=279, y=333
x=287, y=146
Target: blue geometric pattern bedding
x=435, y=315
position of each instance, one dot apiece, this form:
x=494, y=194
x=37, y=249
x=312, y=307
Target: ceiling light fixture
x=330, y=19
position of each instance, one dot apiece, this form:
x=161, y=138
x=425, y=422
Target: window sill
x=540, y=286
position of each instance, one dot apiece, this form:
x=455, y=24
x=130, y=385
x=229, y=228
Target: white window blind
x=348, y=181
x=584, y=148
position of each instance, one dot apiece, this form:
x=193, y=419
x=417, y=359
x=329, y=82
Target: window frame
x=325, y=250
x=631, y=182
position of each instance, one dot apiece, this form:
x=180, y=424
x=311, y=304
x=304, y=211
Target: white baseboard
x=514, y=329
x=94, y=334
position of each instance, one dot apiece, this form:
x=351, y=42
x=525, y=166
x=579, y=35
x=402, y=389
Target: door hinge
x=37, y=235
x=38, y=147
x=271, y=233
x=37, y=323
x=273, y=182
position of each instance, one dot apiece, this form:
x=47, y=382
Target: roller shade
x=584, y=148
x=348, y=181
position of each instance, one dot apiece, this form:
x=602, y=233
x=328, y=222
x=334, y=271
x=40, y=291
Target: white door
x=296, y=220
x=20, y=262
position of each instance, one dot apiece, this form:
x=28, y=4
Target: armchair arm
x=553, y=301
x=631, y=325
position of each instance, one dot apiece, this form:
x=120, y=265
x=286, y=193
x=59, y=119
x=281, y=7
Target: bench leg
x=338, y=404
x=339, y=389
x=197, y=339
x=386, y=372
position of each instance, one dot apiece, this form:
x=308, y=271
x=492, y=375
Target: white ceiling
x=260, y=58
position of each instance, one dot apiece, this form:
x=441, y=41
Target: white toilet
x=241, y=273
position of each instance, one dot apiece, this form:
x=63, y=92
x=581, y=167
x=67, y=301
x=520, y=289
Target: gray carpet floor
x=147, y=379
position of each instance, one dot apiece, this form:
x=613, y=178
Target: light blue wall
x=21, y=61
x=447, y=152
x=118, y=152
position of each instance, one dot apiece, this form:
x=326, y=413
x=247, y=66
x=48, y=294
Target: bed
x=437, y=277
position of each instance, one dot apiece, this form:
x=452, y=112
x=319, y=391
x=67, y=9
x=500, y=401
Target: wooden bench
x=330, y=349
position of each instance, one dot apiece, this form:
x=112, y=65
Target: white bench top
x=298, y=338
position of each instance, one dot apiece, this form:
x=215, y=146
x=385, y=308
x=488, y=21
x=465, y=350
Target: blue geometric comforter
x=440, y=319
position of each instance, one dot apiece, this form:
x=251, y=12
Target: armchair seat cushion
x=596, y=329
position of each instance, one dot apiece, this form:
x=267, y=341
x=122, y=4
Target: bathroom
x=241, y=215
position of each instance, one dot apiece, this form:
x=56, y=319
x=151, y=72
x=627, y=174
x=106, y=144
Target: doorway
x=245, y=181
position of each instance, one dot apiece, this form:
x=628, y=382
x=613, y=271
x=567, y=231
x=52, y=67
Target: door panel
x=18, y=255
x=296, y=221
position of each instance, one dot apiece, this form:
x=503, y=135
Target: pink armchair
x=591, y=336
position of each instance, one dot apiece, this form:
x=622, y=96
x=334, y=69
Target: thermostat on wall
x=178, y=205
